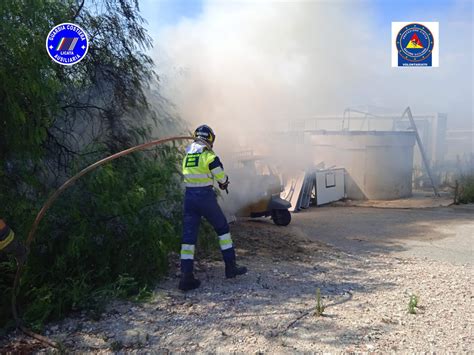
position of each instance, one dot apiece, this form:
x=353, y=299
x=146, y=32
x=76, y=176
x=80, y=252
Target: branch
x=78, y=10
x=83, y=107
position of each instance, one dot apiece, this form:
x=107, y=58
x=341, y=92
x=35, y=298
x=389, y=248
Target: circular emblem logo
x=414, y=42
x=67, y=44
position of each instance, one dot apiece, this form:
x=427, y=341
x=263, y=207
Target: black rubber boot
x=188, y=282
x=232, y=270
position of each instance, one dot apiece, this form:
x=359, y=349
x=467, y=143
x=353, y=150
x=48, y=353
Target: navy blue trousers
x=202, y=202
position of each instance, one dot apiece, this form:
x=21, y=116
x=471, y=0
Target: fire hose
x=49, y=202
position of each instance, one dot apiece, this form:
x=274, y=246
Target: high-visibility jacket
x=201, y=166
x=6, y=235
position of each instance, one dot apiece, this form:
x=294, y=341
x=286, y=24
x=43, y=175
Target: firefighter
x=201, y=167
x=11, y=245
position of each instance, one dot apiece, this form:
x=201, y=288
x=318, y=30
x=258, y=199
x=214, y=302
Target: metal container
x=378, y=164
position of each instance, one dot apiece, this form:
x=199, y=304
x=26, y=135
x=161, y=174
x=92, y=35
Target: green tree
x=29, y=86
x=110, y=234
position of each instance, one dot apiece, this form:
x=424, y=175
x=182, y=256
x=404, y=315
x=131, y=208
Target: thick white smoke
x=247, y=68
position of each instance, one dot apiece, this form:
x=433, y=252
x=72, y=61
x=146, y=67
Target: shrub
x=412, y=304
x=108, y=235
x=319, y=310
x=465, y=191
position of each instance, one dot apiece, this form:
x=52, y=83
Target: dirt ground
x=366, y=262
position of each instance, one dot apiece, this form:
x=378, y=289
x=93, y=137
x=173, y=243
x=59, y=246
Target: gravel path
x=271, y=309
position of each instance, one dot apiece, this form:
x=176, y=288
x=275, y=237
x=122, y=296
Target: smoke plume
x=248, y=68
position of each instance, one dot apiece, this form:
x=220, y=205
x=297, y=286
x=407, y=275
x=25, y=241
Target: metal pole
x=422, y=150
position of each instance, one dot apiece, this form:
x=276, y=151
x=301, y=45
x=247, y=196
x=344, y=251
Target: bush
x=319, y=311
x=7, y=273
x=412, y=304
x=108, y=235
x=465, y=190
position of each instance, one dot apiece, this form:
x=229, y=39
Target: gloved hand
x=224, y=185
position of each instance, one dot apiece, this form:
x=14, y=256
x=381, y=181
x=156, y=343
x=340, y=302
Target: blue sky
x=406, y=10
x=161, y=13
x=184, y=47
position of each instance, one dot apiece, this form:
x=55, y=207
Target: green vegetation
x=412, y=304
x=109, y=235
x=464, y=192
x=319, y=304
x=116, y=346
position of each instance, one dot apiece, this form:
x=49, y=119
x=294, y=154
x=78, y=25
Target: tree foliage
x=110, y=234
x=121, y=223
x=28, y=81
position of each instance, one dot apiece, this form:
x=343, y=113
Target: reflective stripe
x=187, y=251
x=226, y=244
x=202, y=180
x=4, y=243
x=217, y=170
x=224, y=236
x=187, y=256
x=198, y=184
x=197, y=179
x=225, y=241
x=187, y=247
x=196, y=176
x=219, y=174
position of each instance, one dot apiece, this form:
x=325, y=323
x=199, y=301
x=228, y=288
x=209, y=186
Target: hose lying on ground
x=46, y=207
